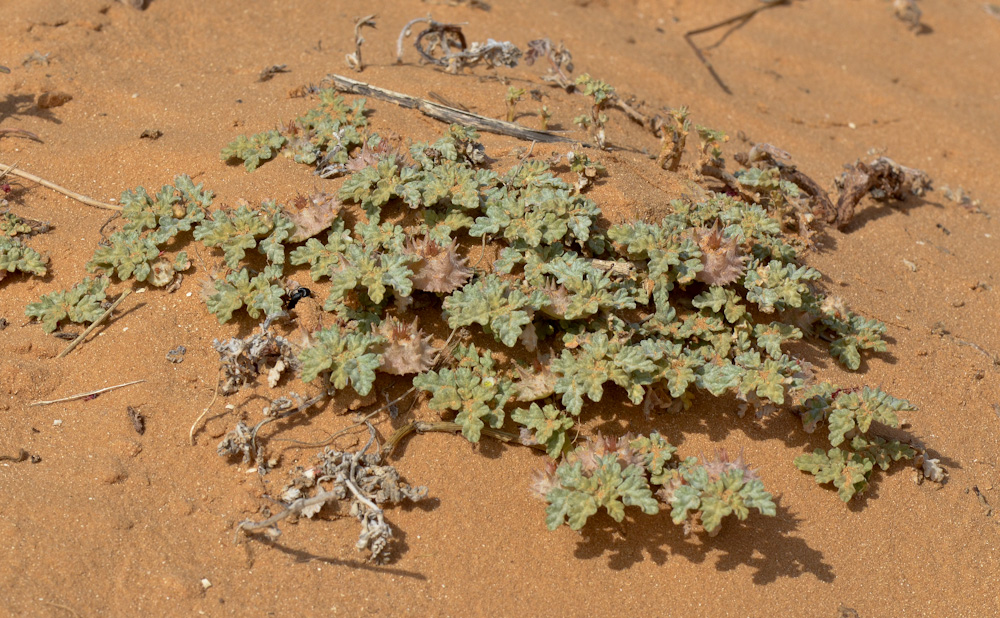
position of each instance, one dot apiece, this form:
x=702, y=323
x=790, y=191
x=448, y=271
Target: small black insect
x=295, y=296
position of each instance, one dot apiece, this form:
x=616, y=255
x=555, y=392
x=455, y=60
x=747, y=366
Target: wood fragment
x=10, y=169
x=354, y=60
x=883, y=178
x=82, y=395
x=446, y=114
x=94, y=324
x=138, y=420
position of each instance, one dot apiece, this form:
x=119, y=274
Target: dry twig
x=448, y=427
x=354, y=60
x=194, y=426
x=94, y=324
x=82, y=395
x=446, y=114
x=51, y=185
x=740, y=19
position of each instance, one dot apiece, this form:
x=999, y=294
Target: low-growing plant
x=80, y=304
x=514, y=96
x=15, y=256
x=701, y=302
x=601, y=94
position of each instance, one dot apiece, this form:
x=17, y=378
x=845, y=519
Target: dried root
x=356, y=477
x=445, y=45
x=883, y=179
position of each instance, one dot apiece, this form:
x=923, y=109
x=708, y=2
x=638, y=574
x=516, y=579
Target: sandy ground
x=113, y=523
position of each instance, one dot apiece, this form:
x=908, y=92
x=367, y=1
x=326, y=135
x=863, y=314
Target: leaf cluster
x=80, y=304
x=641, y=471
x=638, y=307
x=235, y=231
x=16, y=256
x=473, y=388
x=255, y=149
x=849, y=415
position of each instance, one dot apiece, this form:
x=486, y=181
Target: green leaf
x=583, y=373
x=347, y=355
x=127, y=254
x=549, y=424
x=771, y=336
x=16, y=256
x=11, y=225
x=492, y=303
x=255, y=149
x=323, y=259
x=236, y=231
x=261, y=294
x=609, y=486
x=849, y=472
x=80, y=304
x=852, y=410
x=474, y=389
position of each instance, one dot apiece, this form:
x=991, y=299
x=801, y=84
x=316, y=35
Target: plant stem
x=94, y=325
x=51, y=185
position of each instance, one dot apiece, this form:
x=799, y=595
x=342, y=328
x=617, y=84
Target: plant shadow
x=766, y=545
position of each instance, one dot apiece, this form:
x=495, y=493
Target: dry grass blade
x=10, y=169
x=82, y=395
x=94, y=325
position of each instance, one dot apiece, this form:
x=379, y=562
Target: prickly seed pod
x=437, y=269
x=406, y=349
x=370, y=155
x=544, y=480
x=724, y=264
x=537, y=383
x=558, y=297
x=722, y=464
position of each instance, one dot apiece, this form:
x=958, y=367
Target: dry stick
x=51, y=185
x=745, y=16
x=94, y=325
x=405, y=32
x=21, y=132
x=82, y=395
x=194, y=427
x=447, y=114
x=354, y=60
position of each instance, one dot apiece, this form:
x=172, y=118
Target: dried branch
x=447, y=427
x=82, y=395
x=444, y=113
x=94, y=325
x=197, y=421
x=354, y=60
x=51, y=185
x=740, y=19
x=883, y=178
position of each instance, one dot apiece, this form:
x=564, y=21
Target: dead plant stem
x=51, y=185
x=82, y=395
x=94, y=324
